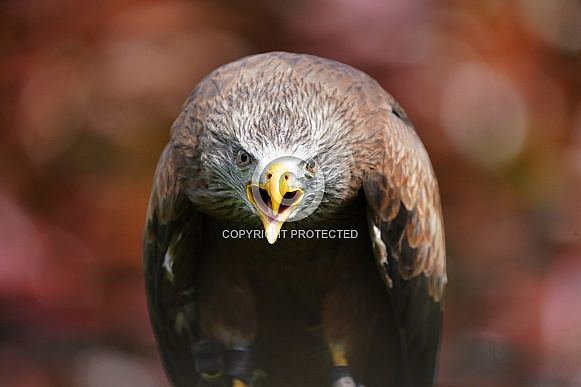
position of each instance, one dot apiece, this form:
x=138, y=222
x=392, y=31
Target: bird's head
x=277, y=147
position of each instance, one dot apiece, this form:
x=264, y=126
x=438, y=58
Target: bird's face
x=278, y=154
x=274, y=183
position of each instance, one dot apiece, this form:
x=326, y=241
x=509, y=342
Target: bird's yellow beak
x=275, y=200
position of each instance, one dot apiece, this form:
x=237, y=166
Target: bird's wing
x=169, y=258
x=407, y=233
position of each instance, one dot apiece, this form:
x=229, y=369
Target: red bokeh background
x=88, y=90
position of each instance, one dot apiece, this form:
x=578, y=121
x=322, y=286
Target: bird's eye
x=242, y=158
x=312, y=165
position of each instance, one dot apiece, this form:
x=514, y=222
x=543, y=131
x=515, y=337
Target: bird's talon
x=209, y=360
x=211, y=377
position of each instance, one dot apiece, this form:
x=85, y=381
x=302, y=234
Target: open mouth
x=288, y=200
x=273, y=212
x=264, y=203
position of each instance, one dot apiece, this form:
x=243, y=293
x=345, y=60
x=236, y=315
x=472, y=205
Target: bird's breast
x=313, y=258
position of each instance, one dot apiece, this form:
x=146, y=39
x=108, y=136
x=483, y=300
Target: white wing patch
x=380, y=251
x=168, y=259
x=168, y=265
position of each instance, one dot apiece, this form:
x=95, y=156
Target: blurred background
x=89, y=89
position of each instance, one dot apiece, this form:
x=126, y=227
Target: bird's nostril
x=286, y=176
x=268, y=175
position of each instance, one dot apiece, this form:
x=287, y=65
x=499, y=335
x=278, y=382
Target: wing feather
x=407, y=233
x=404, y=176
x=171, y=229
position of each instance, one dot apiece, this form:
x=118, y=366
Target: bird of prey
x=294, y=234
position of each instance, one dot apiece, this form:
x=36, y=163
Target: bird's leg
x=348, y=320
x=341, y=375
x=339, y=356
x=228, y=316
